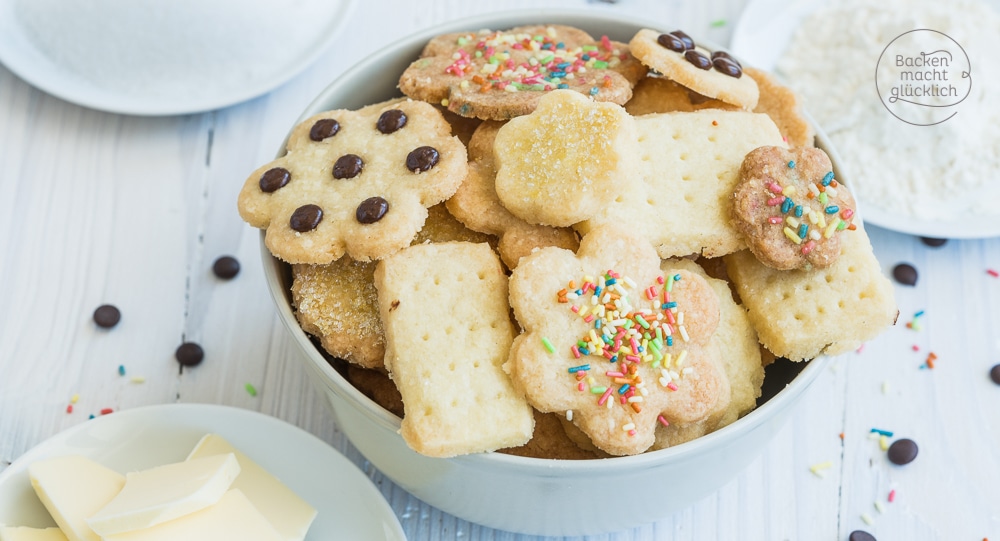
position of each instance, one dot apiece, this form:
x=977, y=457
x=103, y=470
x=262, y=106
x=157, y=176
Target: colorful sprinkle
x=791, y=164
x=885, y=433
x=993, y=273
x=819, y=470
x=121, y=370
x=582, y=367
x=69, y=408
x=892, y=495
x=867, y=519
x=548, y=345
x=251, y=390
x=106, y=411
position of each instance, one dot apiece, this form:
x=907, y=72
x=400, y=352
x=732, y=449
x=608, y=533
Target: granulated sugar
x=161, y=47
x=941, y=172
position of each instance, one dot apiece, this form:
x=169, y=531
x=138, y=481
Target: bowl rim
x=502, y=462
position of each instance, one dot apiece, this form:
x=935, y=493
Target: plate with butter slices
x=190, y=471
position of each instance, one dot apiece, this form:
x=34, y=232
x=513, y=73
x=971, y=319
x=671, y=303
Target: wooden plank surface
x=102, y=208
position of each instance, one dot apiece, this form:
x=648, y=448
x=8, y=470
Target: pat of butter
x=233, y=517
x=73, y=488
x=290, y=514
x=24, y=533
x=164, y=493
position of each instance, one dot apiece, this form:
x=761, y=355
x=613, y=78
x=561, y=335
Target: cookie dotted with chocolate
x=614, y=343
x=501, y=74
x=354, y=182
x=661, y=95
x=713, y=74
x=784, y=107
x=477, y=205
x=790, y=209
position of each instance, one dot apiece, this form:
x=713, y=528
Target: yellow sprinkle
x=792, y=236
x=867, y=519
x=667, y=359
x=814, y=217
x=831, y=229
x=818, y=469
x=822, y=220
x=680, y=358
x=444, y=102
x=883, y=442
x=792, y=221
x=789, y=191
x=885, y=387
x=138, y=379
x=74, y=399
x=464, y=85
x=879, y=507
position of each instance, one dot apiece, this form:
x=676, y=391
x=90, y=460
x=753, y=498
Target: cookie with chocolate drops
x=790, y=208
x=712, y=74
x=494, y=74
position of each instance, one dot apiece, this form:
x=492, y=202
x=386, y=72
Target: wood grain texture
x=133, y=211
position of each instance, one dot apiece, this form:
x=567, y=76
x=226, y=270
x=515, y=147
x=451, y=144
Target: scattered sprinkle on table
x=251, y=390
x=929, y=363
x=74, y=399
x=867, y=519
x=819, y=470
x=993, y=273
x=226, y=267
x=879, y=507
x=905, y=274
x=718, y=23
x=138, y=379
x=107, y=316
x=69, y=408
x=892, y=495
x=121, y=370
x=902, y=451
x=107, y=411
x=885, y=433
x=189, y=354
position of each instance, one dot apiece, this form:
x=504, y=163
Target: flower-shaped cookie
x=502, y=74
x=355, y=182
x=614, y=343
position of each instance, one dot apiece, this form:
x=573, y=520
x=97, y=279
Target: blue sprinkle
x=594, y=91
x=832, y=209
x=787, y=205
x=885, y=433
x=624, y=388
x=584, y=351
x=598, y=290
x=585, y=57
x=613, y=359
x=791, y=164
x=677, y=277
x=575, y=369
x=121, y=370
x=611, y=281
x=670, y=340
x=562, y=85
x=803, y=230
x=560, y=45
x=918, y=314
x=828, y=178
x=91, y=416
x=798, y=211
x=558, y=74
x=597, y=324
x=668, y=305
x=563, y=65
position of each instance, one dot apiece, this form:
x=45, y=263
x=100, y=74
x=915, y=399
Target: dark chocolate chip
x=422, y=159
x=274, y=178
x=728, y=67
x=226, y=267
x=672, y=42
x=323, y=128
x=995, y=374
x=686, y=39
x=371, y=210
x=348, y=166
x=905, y=274
x=107, y=316
x=860, y=535
x=902, y=451
x=699, y=60
x=306, y=218
x=390, y=121
x=189, y=354
x=932, y=242
x=727, y=56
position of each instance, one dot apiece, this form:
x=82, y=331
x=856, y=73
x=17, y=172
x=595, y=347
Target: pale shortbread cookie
x=784, y=107
x=563, y=162
x=800, y=314
x=688, y=168
x=477, y=206
x=448, y=332
x=337, y=302
x=741, y=91
x=623, y=379
x=502, y=74
x=661, y=95
x=740, y=357
x=354, y=182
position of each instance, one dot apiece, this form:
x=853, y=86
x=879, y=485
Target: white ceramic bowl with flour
x=529, y=495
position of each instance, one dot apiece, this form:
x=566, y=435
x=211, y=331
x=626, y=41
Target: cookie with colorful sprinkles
x=614, y=343
x=498, y=75
x=790, y=208
x=354, y=182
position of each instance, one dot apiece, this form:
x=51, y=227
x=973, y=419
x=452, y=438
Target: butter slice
x=232, y=518
x=73, y=488
x=24, y=533
x=164, y=493
x=288, y=513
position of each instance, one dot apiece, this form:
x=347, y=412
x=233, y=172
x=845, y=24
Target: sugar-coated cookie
x=448, y=332
x=661, y=95
x=612, y=342
x=354, y=182
x=790, y=209
x=713, y=74
x=502, y=74
x=784, y=107
x=477, y=205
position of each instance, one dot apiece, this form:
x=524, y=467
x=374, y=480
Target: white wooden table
x=101, y=208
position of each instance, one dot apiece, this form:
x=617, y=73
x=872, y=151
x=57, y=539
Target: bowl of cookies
x=535, y=257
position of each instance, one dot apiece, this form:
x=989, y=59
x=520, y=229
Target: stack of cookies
x=567, y=247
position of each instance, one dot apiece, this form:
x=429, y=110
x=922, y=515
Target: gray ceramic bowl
x=528, y=495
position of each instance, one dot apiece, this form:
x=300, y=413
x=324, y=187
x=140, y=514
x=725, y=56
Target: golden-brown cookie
x=784, y=107
x=661, y=95
x=550, y=441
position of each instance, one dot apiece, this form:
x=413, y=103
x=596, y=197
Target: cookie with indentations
x=714, y=74
x=477, y=205
x=613, y=342
x=498, y=75
x=790, y=209
x=354, y=182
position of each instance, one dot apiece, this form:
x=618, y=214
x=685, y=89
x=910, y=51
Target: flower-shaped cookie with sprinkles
x=502, y=74
x=354, y=182
x=790, y=208
x=612, y=342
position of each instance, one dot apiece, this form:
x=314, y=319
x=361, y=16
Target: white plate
x=348, y=505
x=760, y=37
x=134, y=62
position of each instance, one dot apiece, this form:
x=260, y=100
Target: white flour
x=941, y=172
x=161, y=47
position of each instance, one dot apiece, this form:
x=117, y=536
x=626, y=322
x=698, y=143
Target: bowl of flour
x=907, y=92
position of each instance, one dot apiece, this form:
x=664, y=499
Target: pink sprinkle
x=69, y=408
x=660, y=280
x=916, y=347
x=775, y=201
x=774, y=187
x=663, y=421
x=576, y=352
x=633, y=358
x=631, y=432
x=575, y=308
x=635, y=345
x=847, y=214
x=580, y=386
x=672, y=386
x=775, y=220
x=608, y=355
x=892, y=495
x=860, y=348
x=623, y=400
x=604, y=397
x=993, y=273
x=589, y=318
x=808, y=247
x=614, y=374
